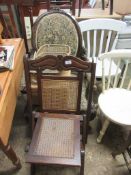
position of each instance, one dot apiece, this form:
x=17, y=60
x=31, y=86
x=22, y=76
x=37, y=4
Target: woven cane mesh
x=52, y=49
x=59, y=94
x=55, y=138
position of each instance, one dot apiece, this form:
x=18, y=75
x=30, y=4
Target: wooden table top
x=96, y=13
x=91, y=13
x=4, y=75
x=9, y=85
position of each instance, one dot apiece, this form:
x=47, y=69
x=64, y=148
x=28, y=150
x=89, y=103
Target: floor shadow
x=9, y=171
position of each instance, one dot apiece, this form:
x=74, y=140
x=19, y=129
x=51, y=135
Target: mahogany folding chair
x=56, y=134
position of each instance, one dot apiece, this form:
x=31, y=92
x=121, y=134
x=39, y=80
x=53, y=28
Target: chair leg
x=32, y=169
x=103, y=130
x=84, y=130
x=82, y=162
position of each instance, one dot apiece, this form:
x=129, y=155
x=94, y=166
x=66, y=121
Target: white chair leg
x=103, y=130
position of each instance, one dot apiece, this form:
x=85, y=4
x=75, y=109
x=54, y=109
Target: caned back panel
x=59, y=94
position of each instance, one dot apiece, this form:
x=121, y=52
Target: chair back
x=8, y=21
x=56, y=93
x=122, y=78
x=100, y=35
x=57, y=27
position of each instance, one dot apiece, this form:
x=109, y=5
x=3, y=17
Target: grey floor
x=98, y=160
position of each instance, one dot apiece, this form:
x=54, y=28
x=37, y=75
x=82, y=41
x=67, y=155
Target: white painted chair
x=115, y=100
x=99, y=36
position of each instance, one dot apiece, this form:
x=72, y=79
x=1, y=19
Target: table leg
x=11, y=154
x=103, y=4
x=79, y=10
x=73, y=7
x=111, y=7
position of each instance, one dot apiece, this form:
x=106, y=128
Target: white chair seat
x=107, y=66
x=116, y=105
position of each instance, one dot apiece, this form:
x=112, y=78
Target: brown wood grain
x=9, y=82
x=91, y=13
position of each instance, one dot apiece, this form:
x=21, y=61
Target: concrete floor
x=98, y=160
